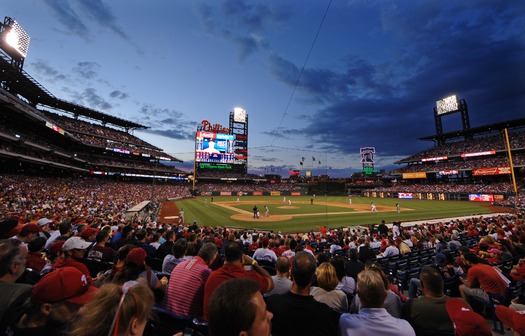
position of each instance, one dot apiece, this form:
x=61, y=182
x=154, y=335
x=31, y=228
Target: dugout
x=139, y=211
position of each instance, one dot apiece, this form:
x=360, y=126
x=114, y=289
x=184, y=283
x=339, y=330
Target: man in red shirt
x=233, y=267
x=482, y=279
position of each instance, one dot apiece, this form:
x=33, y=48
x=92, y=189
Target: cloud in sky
x=378, y=101
x=372, y=78
x=242, y=23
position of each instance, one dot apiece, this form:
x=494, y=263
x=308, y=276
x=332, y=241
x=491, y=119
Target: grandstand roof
x=20, y=82
x=477, y=130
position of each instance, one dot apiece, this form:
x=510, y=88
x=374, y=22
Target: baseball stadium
x=66, y=165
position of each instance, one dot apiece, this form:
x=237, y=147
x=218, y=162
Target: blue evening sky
x=319, y=79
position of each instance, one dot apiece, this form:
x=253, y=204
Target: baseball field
x=304, y=213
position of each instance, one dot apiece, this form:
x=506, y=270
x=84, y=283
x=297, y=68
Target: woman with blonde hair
x=326, y=292
x=116, y=311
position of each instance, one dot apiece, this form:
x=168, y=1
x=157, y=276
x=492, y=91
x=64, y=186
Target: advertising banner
x=491, y=171
x=415, y=175
x=480, y=198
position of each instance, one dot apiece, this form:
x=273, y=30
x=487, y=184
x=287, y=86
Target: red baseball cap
x=512, y=318
x=57, y=246
x=466, y=322
x=136, y=256
x=63, y=284
x=88, y=232
x=31, y=228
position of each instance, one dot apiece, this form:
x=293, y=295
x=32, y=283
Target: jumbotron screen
x=214, y=147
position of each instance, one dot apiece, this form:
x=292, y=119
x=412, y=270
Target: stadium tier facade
x=43, y=134
x=485, y=163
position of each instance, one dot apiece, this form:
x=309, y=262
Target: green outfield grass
x=330, y=211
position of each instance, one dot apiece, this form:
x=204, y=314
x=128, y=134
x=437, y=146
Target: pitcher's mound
x=249, y=218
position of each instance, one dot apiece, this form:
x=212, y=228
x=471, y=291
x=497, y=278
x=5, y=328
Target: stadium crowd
x=83, y=268
x=450, y=187
x=518, y=159
x=476, y=145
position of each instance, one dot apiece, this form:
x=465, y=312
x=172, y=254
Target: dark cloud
x=87, y=70
x=476, y=53
x=93, y=11
x=251, y=16
x=242, y=23
x=69, y=18
x=48, y=73
x=166, y=122
x=90, y=98
x=178, y=134
x=103, y=15
x=118, y=95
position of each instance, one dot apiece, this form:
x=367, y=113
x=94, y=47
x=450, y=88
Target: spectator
x=373, y=319
x=440, y=264
x=155, y=241
x=55, y=302
x=141, y=236
x=28, y=233
x=120, y=261
x=15, y=296
x=353, y=265
x=392, y=302
x=135, y=268
x=364, y=250
x=517, y=272
x=290, y=252
x=382, y=228
x=233, y=267
x=238, y=308
x=346, y=283
x=89, y=234
x=185, y=292
x=327, y=292
x=264, y=253
x=391, y=250
x=180, y=248
x=74, y=249
x=281, y=281
x=53, y=255
x=65, y=230
x=166, y=247
x=465, y=321
x=36, y=260
x=428, y=313
x=481, y=280
x=292, y=309
x=512, y=318
x=101, y=251
x=454, y=243
x=116, y=310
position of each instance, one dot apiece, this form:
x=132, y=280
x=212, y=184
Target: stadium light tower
x=14, y=41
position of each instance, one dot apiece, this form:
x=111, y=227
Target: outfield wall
x=252, y=193
x=443, y=196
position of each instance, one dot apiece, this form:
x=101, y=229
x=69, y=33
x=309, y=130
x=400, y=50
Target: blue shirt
x=373, y=322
